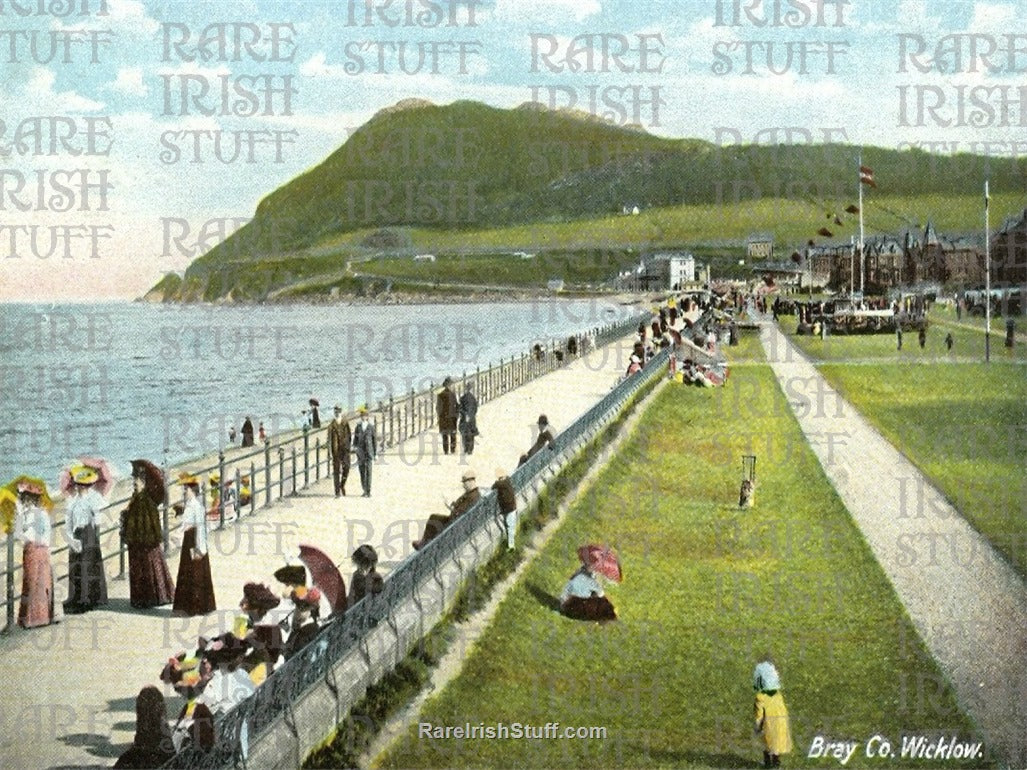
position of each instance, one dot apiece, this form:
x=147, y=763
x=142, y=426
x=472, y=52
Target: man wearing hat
x=457, y=508
x=366, y=447
x=545, y=438
x=339, y=440
x=447, y=409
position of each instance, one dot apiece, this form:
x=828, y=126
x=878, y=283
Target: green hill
x=468, y=167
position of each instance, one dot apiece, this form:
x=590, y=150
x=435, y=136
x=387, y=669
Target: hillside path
x=966, y=602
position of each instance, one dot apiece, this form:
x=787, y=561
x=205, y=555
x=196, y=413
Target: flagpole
x=859, y=177
x=852, y=267
x=987, y=275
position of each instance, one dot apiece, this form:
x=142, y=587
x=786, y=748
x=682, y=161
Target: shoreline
x=394, y=299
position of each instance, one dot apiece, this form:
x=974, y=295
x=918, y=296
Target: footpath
x=70, y=687
x=966, y=602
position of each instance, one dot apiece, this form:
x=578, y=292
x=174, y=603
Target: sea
x=167, y=382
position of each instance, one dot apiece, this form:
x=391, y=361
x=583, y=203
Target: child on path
x=771, y=714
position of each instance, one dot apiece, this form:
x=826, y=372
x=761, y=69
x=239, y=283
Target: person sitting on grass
x=583, y=599
x=772, y=723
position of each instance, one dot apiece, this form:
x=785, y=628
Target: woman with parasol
x=32, y=526
x=149, y=579
x=194, y=594
x=582, y=598
x=86, y=483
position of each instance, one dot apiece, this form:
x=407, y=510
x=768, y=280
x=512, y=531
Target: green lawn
x=962, y=425
x=708, y=589
x=968, y=346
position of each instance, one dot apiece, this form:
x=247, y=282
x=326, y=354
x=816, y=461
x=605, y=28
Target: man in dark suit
x=365, y=446
x=339, y=441
x=447, y=410
x=468, y=418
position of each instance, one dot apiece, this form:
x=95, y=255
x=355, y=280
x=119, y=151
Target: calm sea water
x=135, y=380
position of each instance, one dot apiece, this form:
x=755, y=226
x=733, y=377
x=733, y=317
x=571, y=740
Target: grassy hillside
x=468, y=177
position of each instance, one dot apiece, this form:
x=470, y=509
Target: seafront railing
x=246, y=735
x=251, y=478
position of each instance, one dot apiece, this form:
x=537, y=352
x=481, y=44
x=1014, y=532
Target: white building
x=671, y=270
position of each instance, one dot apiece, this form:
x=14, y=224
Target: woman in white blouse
x=194, y=592
x=87, y=582
x=32, y=526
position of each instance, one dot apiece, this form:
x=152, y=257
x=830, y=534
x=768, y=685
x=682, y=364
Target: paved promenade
x=69, y=688
x=967, y=603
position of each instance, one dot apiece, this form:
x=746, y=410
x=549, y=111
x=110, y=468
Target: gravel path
x=967, y=603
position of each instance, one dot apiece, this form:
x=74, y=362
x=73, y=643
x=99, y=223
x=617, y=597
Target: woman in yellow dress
x=771, y=714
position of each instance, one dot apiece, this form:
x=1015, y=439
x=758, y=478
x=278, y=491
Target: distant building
x=670, y=270
x=760, y=246
x=555, y=284
x=424, y=258
x=889, y=261
x=1009, y=252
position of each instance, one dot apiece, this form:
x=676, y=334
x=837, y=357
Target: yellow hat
x=188, y=478
x=83, y=474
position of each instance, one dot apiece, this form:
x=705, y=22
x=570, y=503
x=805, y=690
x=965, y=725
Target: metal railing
x=313, y=664
x=281, y=467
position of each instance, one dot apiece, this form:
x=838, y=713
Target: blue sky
x=849, y=89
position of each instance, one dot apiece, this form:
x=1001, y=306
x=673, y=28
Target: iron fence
x=314, y=663
x=282, y=467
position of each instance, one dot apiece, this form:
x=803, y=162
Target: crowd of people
x=222, y=672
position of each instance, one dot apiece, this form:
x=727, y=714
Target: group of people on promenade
x=222, y=672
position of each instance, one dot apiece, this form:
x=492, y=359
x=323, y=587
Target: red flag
x=866, y=176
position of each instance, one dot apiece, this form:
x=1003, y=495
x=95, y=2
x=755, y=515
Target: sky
x=110, y=113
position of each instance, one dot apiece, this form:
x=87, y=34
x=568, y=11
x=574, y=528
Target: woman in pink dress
x=32, y=526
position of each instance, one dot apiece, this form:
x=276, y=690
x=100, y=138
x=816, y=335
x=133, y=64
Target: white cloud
x=39, y=90
x=518, y=11
x=130, y=81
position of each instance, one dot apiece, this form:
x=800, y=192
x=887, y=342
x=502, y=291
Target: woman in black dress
x=195, y=592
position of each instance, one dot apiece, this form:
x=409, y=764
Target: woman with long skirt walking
x=195, y=592
x=149, y=580
x=87, y=581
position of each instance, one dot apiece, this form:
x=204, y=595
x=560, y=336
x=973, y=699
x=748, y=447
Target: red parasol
x=601, y=559
x=325, y=575
x=104, y=483
x=153, y=478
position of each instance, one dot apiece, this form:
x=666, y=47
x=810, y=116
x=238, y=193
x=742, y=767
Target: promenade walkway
x=70, y=687
x=966, y=602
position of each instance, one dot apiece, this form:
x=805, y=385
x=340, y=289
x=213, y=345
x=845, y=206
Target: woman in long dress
x=149, y=580
x=87, y=581
x=32, y=526
x=195, y=592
